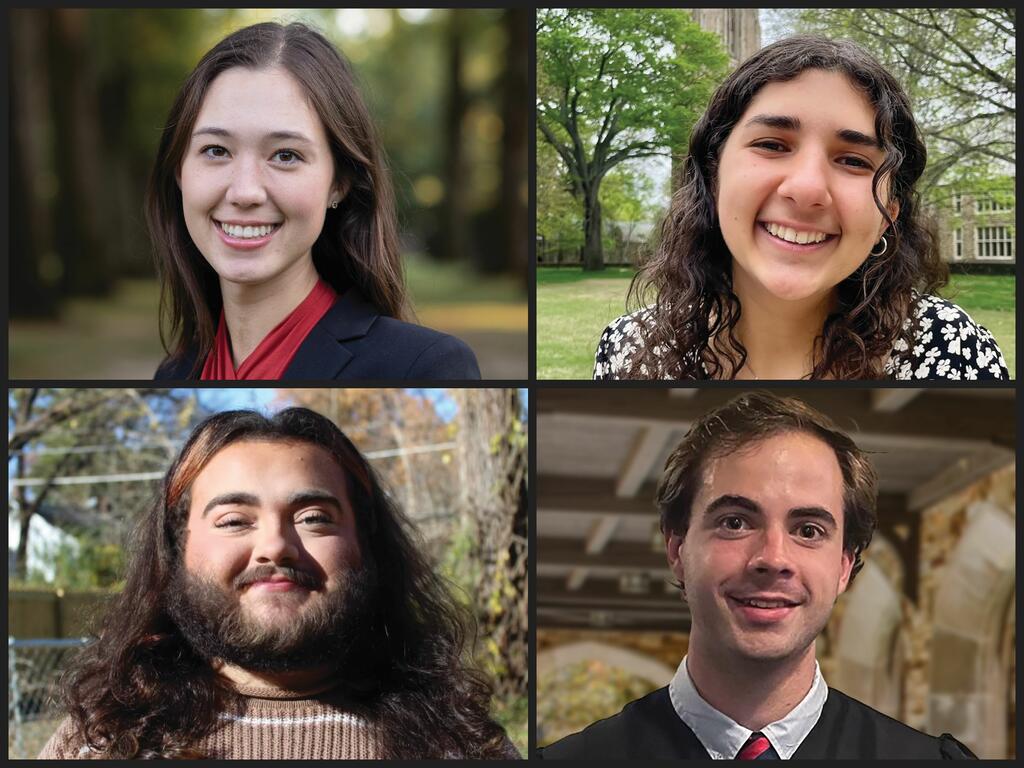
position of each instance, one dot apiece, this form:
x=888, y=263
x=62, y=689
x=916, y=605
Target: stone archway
x=969, y=672
x=871, y=646
x=614, y=676
x=629, y=661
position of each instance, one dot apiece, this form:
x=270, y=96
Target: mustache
x=264, y=572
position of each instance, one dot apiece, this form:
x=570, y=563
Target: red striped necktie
x=757, y=748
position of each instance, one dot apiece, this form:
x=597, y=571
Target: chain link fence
x=32, y=670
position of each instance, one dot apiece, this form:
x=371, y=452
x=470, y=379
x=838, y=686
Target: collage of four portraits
x=512, y=383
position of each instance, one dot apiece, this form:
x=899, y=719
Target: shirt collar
x=723, y=737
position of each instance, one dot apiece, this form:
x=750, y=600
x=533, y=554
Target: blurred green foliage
x=576, y=695
x=84, y=563
x=614, y=85
x=95, y=88
x=513, y=716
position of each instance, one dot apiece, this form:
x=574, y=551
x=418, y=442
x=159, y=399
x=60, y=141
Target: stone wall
x=944, y=663
x=968, y=580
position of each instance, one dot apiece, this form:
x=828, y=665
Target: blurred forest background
x=85, y=463
x=449, y=92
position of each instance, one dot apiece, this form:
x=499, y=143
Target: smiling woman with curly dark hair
x=277, y=605
x=796, y=247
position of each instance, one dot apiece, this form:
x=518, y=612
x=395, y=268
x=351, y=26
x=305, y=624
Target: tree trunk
x=593, y=254
x=34, y=268
x=678, y=166
x=515, y=141
x=454, y=222
x=125, y=239
x=25, y=510
x=80, y=230
x=493, y=467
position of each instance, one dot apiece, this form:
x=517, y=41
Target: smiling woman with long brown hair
x=272, y=216
x=796, y=246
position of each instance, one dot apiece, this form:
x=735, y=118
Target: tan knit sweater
x=273, y=725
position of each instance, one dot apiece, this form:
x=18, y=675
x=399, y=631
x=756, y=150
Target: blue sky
x=261, y=399
x=231, y=399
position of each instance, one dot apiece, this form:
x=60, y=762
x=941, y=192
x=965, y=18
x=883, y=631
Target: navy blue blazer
x=354, y=341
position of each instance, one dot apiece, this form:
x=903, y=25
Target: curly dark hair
x=752, y=418
x=688, y=330
x=140, y=690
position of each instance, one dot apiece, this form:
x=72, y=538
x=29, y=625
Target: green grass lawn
x=432, y=282
x=573, y=308
x=110, y=338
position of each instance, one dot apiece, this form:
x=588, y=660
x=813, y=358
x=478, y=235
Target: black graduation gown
x=649, y=728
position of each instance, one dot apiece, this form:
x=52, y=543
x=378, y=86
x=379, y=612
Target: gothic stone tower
x=740, y=32
x=739, y=29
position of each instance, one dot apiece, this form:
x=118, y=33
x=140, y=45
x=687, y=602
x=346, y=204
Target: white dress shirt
x=723, y=737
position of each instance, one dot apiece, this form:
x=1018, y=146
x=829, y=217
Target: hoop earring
x=885, y=245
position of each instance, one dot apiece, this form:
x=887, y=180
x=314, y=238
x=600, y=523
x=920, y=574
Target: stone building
x=739, y=29
x=977, y=227
x=926, y=633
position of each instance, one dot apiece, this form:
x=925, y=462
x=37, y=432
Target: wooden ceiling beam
x=649, y=447
x=957, y=419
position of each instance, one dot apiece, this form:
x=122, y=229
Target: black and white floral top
x=949, y=345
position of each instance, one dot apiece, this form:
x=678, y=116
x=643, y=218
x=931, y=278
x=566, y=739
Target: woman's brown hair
x=689, y=330
x=358, y=246
x=750, y=419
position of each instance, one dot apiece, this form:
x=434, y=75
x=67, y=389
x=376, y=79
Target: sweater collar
x=273, y=692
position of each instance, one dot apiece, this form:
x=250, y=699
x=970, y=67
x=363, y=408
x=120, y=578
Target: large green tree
x=615, y=85
x=958, y=66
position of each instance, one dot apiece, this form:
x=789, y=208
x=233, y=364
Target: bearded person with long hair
x=277, y=605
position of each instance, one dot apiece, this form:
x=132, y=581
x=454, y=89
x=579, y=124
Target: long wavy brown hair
x=688, y=310
x=139, y=690
x=359, y=242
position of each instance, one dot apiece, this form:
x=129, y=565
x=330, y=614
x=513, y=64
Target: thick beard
x=335, y=629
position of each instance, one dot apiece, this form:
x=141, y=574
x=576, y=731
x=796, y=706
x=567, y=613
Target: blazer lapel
x=182, y=369
x=323, y=355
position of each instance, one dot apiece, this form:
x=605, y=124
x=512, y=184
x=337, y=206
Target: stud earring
x=334, y=204
x=885, y=245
